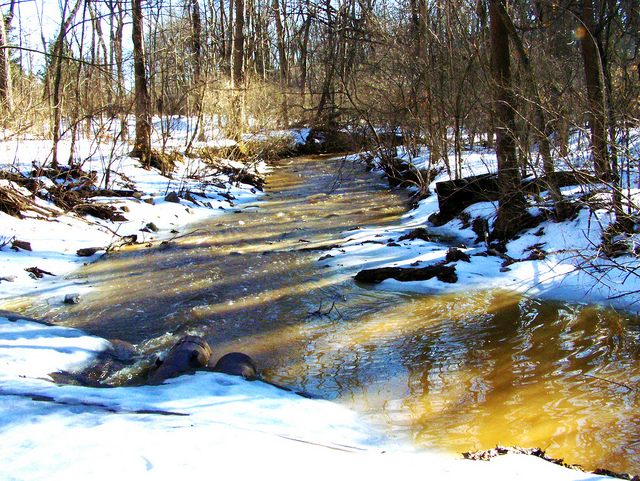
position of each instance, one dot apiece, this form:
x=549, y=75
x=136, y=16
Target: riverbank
x=565, y=261
x=183, y=426
x=43, y=243
x=196, y=424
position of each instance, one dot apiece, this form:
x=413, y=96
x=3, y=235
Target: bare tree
x=57, y=61
x=594, y=79
x=142, y=142
x=512, y=205
x=6, y=85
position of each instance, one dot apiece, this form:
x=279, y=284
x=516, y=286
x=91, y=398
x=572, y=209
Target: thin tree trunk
x=196, y=52
x=511, y=204
x=595, y=92
x=282, y=59
x=237, y=77
x=6, y=87
x=142, y=143
x=117, y=45
x=304, y=51
x=57, y=102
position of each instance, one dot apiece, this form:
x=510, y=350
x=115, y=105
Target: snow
x=214, y=423
x=55, y=243
x=194, y=424
x=572, y=270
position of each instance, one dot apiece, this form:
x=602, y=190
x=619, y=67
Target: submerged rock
x=72, y=299
x=186, y=355
x=237, y=364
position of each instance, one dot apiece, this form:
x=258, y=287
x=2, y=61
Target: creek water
x=452, y=373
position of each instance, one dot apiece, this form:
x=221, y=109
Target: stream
x=450, y=373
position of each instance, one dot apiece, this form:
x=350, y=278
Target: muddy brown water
x=452, y=373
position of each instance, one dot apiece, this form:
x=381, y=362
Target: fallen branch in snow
x=407, y=274
x=49, y=399
x=486, y=455
x=13, y=203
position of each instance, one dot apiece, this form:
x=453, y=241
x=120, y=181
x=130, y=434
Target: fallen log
x=406, y=274
x=456, y=195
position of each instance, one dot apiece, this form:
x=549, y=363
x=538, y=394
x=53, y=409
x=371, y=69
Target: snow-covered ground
x=212, y=424
x=54, y=242
x=207, y=424
x=568, y=264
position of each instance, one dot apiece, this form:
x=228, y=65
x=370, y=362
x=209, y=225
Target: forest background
x=523, y=77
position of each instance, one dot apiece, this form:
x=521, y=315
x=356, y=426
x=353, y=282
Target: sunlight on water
x=452, y=372
x=471, y=371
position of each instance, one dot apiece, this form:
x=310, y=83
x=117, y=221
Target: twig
x=626, y=386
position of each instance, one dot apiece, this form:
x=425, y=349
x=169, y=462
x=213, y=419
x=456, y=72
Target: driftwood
x=13, y=203
x=405, y=274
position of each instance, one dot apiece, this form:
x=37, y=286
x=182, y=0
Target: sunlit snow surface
x=206, y=424
x=573, y=270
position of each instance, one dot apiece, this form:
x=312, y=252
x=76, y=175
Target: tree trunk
x=6, y=90
x=541, y=126
x=142, y=143
x=117, y=47
x=512, y=205
x=595, y=92
x=196, y=52
x=283, y=61
x=237, y=77
x=304, y=51
x=57, y=101
x=238, y=45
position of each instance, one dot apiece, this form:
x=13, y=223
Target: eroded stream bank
x=457, y=372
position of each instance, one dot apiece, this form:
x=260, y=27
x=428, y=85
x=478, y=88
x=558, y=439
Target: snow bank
x=55, y=241
x=571, y=269
x=205, y=424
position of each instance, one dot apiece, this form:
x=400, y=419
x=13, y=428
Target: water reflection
x=470, y=371
x=455, y=372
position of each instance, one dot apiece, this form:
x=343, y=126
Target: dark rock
x=172, y=197
x=118, y=217
x=186, y=355
x=237, y=364
x=88, y=251
x=536, y=254
x=122, y=350
x=149, y=200
x=72, y=299
x=130, y=239
x=419, y=233
x=38, y=273
x=150, y=227
x=18, y=244
x=454, y=255
x=190, y=198
x=74, y=379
